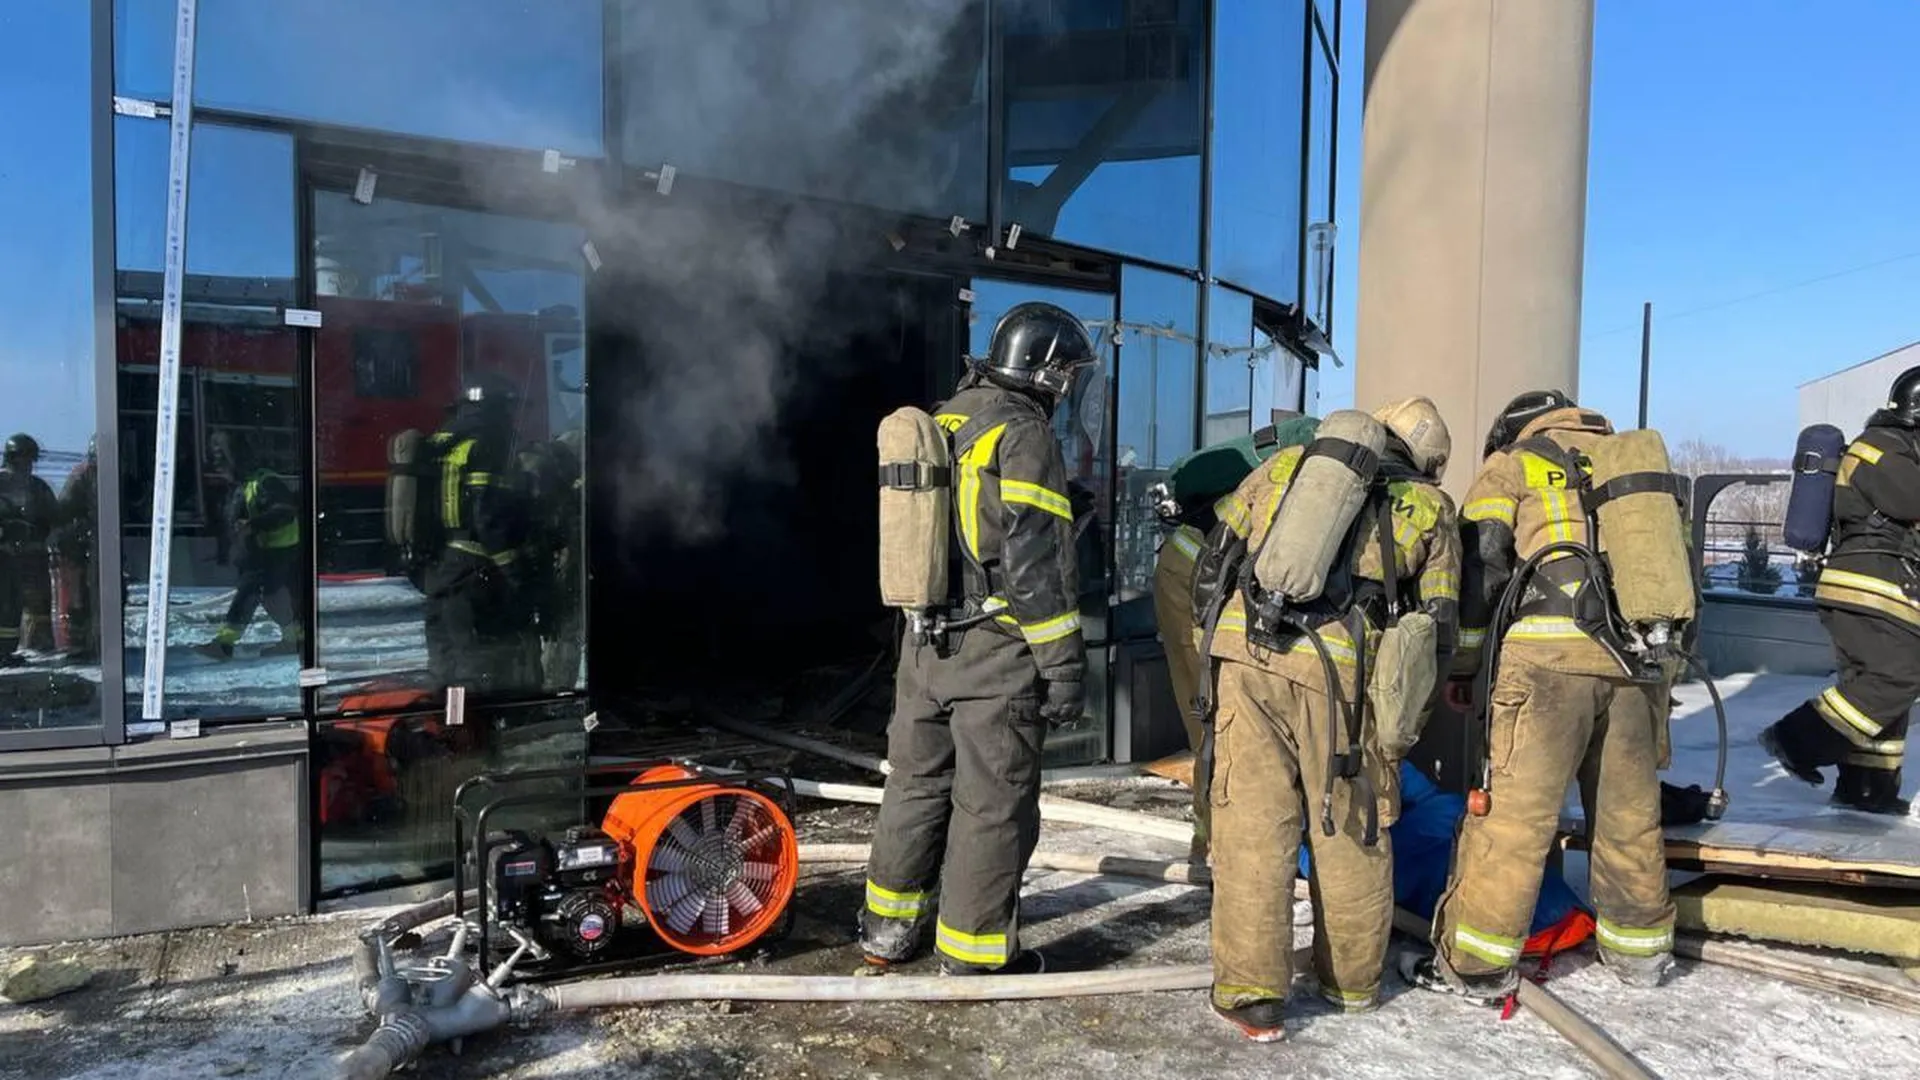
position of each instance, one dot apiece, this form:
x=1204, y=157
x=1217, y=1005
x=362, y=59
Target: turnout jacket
x=1013, y=517
x=1426, y=562
x=1876, y=510
x=1524, y=498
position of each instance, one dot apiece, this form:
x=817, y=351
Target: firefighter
x=74, y=541
x=480, y=598
x=1868, y=596
x=28, y=511
x=1562, y=708
x=555, y=486
x=1185, y=503
x=1271, y=735
x=971, y=706
x=262, y=539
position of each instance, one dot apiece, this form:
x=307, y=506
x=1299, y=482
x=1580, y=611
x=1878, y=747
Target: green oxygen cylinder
x=1195, y=481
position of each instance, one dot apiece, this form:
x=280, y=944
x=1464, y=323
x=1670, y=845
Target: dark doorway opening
x=784, y=580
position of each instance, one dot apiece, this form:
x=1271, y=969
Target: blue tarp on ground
x=1423, y=853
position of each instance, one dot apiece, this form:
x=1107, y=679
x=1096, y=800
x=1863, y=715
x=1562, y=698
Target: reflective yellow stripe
x=1559, y=515
x=889, y=904
x=1349, y=999
x=1635, y=941
x=1022, y=493
x=977, y=457
x=1544, y=628
x=498, y=558
x=1493, y=508
x=1869, y=454
x=986, y=950
x=1492, y=948
x=1864, y=759
x=1186, y=540
x=452, y=466
x=280, y=539
x=1835, y=706
x=1233, y=510
x=1865, y=591
x=1472, y=637
x=1439, y=585
x=1060, y=626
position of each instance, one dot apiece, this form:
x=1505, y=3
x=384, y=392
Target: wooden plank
x=1877, y=983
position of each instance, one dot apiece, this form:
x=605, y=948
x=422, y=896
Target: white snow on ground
x=286, y=1009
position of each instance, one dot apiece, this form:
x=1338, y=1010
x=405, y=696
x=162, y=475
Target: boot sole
x=1771, y=744
x=1253, y=1034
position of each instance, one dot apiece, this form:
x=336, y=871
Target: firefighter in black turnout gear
x=1005, y=661
x=262, y=519
x=28, y=512
x=480, y=610
x=1869, y=599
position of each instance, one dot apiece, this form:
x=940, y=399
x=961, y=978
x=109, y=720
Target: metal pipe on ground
x=1589, y=1038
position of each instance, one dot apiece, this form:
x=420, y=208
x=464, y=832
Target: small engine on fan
x=567, y=895
x=682, y=862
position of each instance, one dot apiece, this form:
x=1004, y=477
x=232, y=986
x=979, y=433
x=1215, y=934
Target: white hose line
x=1052, y=808
x=567, y=997
x=820, y=748
x=1164, y=870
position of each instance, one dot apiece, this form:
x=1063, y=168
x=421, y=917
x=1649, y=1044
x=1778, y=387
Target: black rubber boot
x=1263, y=1021
x=1872, y=791
x=1026, y=962
x=1426, y=973
x=1803, y=743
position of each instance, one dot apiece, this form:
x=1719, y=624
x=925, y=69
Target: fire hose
x=445, y=1000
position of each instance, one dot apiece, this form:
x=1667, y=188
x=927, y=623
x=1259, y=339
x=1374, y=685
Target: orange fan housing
x=714, y=865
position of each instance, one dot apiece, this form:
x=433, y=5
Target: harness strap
x=1640, y=483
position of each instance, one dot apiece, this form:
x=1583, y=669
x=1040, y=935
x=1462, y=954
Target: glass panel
x=1104, y=110
x=1229, y=358
x=386, y=782
x=1318, y=301
x=1159, y=365
x=1278, y=378
x=49, y=645
x=238, y=568
x=522, y=75
x=1081, y=423
x=871, y=101
x=1259, y=55
x=419, y=304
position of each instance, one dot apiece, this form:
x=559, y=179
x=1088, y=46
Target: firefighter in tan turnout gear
x=1316, y=554
x=1577, y=688
x=987, y=667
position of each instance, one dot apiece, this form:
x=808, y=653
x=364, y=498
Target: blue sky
x=1732, y=156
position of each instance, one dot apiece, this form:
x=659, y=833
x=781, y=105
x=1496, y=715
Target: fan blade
x=742, y=897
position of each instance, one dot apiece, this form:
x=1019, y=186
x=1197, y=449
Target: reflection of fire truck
x=380, y=366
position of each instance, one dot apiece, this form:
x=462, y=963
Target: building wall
x=1111, y=154
x=1847, y=397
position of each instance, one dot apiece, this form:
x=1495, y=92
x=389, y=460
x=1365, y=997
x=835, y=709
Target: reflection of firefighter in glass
x=552, y=473
x=73, y=542
x=480, y=610
x=261, y=539
x=28, y=511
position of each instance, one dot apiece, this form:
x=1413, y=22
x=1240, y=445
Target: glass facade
x=50, y=660
x=1104, y=103
x=1162, y=158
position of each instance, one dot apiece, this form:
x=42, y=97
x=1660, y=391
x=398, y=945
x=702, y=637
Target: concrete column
x=1473, y=206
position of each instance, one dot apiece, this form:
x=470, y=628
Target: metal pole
x=1646, y=357
x=167, y=409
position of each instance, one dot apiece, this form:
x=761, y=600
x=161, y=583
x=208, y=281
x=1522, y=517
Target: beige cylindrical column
x=1473, y=206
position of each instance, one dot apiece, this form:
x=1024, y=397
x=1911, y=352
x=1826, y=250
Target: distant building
x=1847, y=397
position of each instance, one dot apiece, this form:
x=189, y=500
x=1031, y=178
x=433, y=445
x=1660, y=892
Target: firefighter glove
x=1066, y=700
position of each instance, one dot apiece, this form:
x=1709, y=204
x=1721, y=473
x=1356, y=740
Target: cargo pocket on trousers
x=1218, y=774
x=1509, y=702
x=1385, y=775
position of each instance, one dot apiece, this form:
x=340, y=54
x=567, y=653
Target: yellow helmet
x=1416, y=422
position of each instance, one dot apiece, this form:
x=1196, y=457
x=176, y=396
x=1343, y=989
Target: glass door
x=449, y=383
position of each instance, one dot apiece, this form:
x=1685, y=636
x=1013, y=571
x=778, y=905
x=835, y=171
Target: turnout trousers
x=1269, y=774
x=961, y=814
x=1860, y=723
x=1173, y=617
x=1549, y=728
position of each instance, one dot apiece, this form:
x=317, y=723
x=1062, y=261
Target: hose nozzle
x=1717, y=804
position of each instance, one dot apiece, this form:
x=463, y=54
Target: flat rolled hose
x=569, y=997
